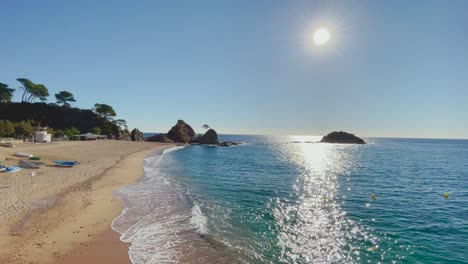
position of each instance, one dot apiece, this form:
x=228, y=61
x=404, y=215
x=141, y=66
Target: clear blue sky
x=392, y=68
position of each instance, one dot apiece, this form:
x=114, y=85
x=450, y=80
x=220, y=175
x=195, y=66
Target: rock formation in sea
x=160, y=138
x=137, y=135
x=210, y=137
x=342, y=137
x=182, y=133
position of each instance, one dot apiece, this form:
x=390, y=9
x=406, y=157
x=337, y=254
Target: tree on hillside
x=206, y=127
x=97, y=130
x=33, y=91
x=64, y=98
x=6, y=128
x=104, y=111
x=5, y=93
x=40, y=92
x=28, y=86
x=121, y=123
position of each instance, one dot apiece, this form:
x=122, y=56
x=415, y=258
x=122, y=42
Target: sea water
x=291, y=200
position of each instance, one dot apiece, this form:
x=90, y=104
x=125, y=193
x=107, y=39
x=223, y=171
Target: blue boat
x=12, y=169
x=66, y=163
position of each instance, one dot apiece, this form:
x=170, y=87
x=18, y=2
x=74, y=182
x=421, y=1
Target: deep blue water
x=286, y=200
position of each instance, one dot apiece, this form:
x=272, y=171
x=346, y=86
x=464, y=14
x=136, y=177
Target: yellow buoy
x=446, y=195
x=374, y=197
x=324, y=198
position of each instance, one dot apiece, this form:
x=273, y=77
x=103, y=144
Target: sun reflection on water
x=312, y=226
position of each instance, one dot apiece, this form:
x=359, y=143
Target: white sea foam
x=168, y=150
x=199, y=220
x=157, y=219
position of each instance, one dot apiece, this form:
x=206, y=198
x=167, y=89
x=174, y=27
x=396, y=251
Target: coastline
x=72, y=223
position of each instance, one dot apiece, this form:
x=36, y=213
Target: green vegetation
x=50, y=131
x=104, y=111
x=7, y=129
x=64, y=97
x=121, y=123
x=11, y=129
x=6, y=94
x=33, y=91
x=206, y=127
x=58, y=134
x=60, y=118
x=97, y=130
x=23, y=129
x=70, y=132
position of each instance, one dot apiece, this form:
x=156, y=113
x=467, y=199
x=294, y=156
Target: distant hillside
x=56, y=117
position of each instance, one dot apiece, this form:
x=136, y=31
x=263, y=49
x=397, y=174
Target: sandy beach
x=64, y=215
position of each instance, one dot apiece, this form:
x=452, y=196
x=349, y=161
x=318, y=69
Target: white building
x=89, y=136
x=41, y=135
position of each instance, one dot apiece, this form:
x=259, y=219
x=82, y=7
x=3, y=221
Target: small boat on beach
x=66, y=163
x=23, y=155
x=13, y=169
x=7, y=144
x=30, y=164
x=2, y=168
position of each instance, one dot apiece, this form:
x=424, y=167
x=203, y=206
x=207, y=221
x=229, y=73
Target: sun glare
x=321, y=36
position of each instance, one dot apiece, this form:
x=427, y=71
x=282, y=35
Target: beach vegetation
x=33, y=110
x=70, y=132
x=58, y=133
x=7, y=128
x=64, y=98
x=23, y=129
x=206, y=127
x=6, y=94
x=50, y=130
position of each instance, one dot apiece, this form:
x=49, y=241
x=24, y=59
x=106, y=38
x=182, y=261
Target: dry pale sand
x=64, y=216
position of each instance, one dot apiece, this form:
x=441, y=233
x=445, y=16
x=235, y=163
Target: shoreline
x=72, y=223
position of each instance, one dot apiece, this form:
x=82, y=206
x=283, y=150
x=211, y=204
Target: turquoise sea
x=290, y=200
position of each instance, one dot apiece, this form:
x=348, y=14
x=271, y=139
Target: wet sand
x=104, y=248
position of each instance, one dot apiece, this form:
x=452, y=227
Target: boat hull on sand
x=65, y=163
x=23, y=155
x=12, y=169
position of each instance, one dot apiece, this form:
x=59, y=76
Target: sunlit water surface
x=289, y=200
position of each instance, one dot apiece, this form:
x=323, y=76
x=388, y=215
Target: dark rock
x=124, y=135
x=137, y=135
x=182, y=133
x=227, y=144
x=210, y=137
x=342, y=137
x=160, y=138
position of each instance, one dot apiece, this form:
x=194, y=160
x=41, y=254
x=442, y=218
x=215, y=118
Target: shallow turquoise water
x=286, y=200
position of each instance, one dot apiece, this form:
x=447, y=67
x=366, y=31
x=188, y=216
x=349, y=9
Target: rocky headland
x=184, y=133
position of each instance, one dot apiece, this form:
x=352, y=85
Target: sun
x=321, y=36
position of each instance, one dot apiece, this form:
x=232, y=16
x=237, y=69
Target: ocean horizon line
x=299, y=135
